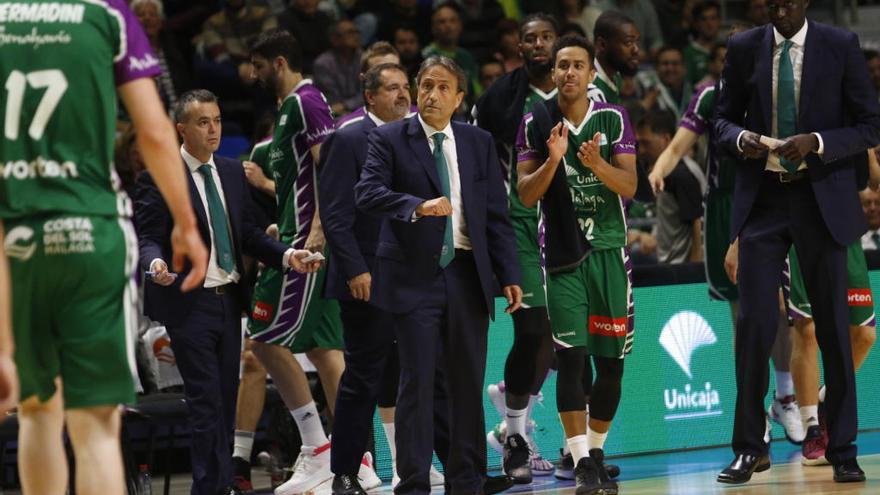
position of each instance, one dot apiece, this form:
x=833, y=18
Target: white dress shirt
x=796, y=53
x=215, y=275
x=376, y=120
x=459, y=226
x=868, y=243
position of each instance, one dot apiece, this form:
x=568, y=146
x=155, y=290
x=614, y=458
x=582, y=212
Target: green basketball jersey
x=303, y=121
x=60, y=63
x=599, y=210
x=721, y=170
x=260, y=156
x=517, y=209
x=603, y=88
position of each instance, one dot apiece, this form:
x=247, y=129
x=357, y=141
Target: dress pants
x=786, y=213
x=207, y=348
x=449, y=329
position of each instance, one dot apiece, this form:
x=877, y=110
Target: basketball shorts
x=74, y=305
x=859, y=296
x=716, y=240
x=529, y=256
x=592, y=306
x=287, y=310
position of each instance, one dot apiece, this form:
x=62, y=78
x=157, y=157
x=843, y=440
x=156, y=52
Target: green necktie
x=448, y=251
x=218, y=221
x=786, y=108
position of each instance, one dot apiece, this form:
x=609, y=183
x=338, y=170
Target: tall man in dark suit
x=205, y=325
x=446, y=232
x=807, y=84
x=352, y=236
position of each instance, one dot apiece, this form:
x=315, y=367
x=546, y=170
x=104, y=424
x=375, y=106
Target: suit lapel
x=418, y=142
x=764, y=73
x=812, y=56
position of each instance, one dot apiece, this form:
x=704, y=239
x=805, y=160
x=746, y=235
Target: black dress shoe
x=346, y=484
x=742, y=468
x=848, y=472
x=496, y=484
x=231, y=490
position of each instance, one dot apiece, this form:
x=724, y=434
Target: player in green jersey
x=589, y=168
x=617, y=55
x=68, y=233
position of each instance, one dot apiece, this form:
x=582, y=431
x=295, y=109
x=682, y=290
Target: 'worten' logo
x=608, y=327
x=860, y=297
x=262, y=311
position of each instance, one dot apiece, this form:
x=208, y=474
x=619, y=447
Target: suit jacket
x=154, y=223
x=399, y=174
x=351, y=234
x=837, y=100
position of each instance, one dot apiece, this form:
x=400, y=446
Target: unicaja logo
x=683, y=334
x=20, y=243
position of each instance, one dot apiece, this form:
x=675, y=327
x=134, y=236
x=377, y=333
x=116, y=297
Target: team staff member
x=68, y=234
x=803, y=193
x=446, y=232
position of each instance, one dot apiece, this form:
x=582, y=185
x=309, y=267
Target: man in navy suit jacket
x=446, y=232
x=205, y=325
x=807, y=84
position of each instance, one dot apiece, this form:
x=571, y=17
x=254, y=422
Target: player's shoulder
x=609, y=112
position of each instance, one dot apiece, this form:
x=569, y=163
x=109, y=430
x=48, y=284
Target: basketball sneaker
x=590, y=477
x=496, y=396
x=241, y=478
x=367, y=474
x=312, y=468
x=813, y=447
x=785, y=412
x=516, y=459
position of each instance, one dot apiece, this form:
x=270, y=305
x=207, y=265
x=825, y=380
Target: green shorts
x=592, y=306
x=288, y=310
x=73, y=306
x=859, y=296
x=529, y=256
x=716, y=240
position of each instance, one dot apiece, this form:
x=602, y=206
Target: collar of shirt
x=430, y=131
x=601, y=74
x=298, y=85
x=376, y=120
x=798, y=39
x=192, y=162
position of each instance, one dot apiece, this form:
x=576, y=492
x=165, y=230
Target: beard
x=536, y=69
x=626, y=70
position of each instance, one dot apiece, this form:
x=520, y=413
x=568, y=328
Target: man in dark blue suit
x=446, y=232
x=352, y=236
x=205, y=325
x=806, y=84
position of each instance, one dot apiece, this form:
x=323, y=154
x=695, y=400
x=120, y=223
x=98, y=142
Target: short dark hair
x=178, y=113
x=608, y=23
x=668, y=48
x=870, y=54
x=377, y=49
x=703, y=6
x=658, y=122
x=373, y=77
x=448, y=64
x=279, y=43
x=538, y=17
x=570, y=40
x=447, y=5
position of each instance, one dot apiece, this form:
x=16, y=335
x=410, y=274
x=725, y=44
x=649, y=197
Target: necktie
x=448, y=250
x=217, y=216
x=876, y=238
x=786, y=109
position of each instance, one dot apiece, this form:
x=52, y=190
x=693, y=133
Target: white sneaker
x=367, y=474
x=312, y=468
x=497, y=436
x=786, y=413
x=437, y=478
x=496, y=395
x=539, y=465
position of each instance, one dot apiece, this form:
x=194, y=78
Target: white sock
x=516, y=421
x=565, y=449
x=822, y=394
x=243, y=444
x=389, y=435
x=578, y=446
x=809, y=416
x=784, y=384
x=309, y=423
x=596, y=440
